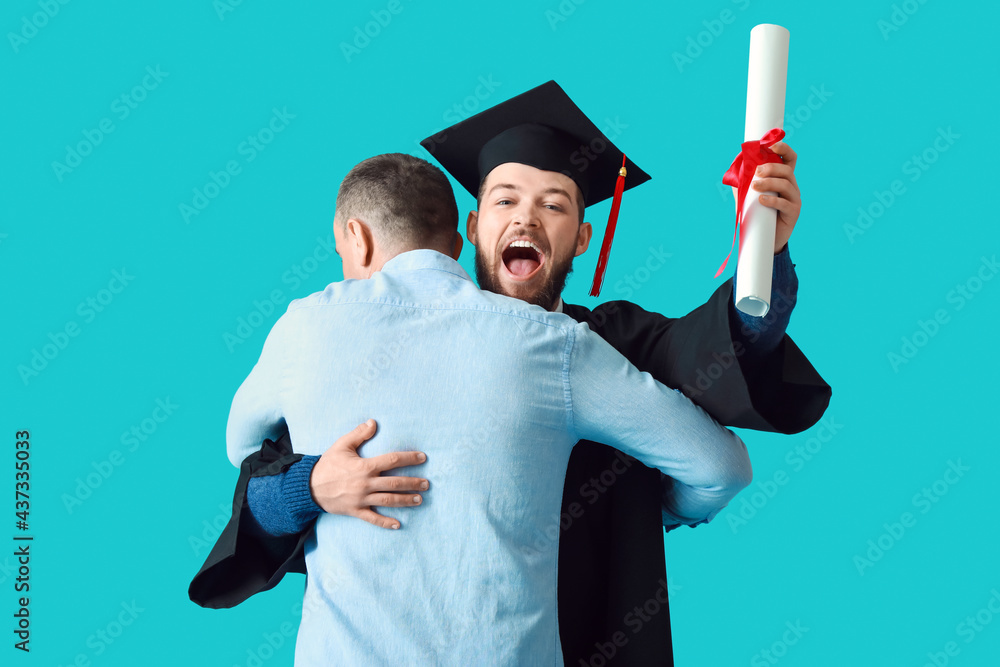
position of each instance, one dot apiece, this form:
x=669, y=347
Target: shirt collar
x=432, y=259
x=413, y=260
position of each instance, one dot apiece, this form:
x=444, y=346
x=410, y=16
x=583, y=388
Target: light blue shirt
x=496, y=392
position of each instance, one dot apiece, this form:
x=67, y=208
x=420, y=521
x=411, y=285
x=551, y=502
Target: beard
x=545, y=295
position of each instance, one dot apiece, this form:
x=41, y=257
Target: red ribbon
x=741, y=173
x=609, y=233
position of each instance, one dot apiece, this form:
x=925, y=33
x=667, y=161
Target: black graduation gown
x=610, y=554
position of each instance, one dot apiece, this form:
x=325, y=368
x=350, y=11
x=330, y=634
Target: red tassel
x=609, y=233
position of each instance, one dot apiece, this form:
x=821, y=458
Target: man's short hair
x=407, y=202
x=580, y=204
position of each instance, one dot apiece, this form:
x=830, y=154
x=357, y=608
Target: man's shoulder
x=446, y=294
x=333, y=293
x=371, y=290
x=505, y=306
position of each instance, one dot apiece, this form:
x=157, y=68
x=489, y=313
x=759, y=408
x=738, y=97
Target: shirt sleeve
x=611, y=401
x=256, y=413
x=282, y=504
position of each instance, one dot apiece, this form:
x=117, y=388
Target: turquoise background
x=786, y=558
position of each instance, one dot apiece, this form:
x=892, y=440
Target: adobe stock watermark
x=30, y=25
x=223, y=7
x=697, y=44
x=131, y=440
x=587, y=154
x=294, y=276
x=285, y=632
x=87, y=310
x=968, y=629
x=249, y=149
x=563, y=11
x=634, y=621
x=480, y=441
x=754, y=499
x=459, y=111
x=726, y=361
x=470, y=104
x=121, y=107
x=373, y=366
x=270, y=644
x=898, y=17
x=779, y=649
x=923, y=501
x=915, y=167
x=958, y=297
x=793, y=120
x=363, y=36
x=103, y=637
x=208, y=532
x=633, y=281
x=591, y=491
x=7, y=569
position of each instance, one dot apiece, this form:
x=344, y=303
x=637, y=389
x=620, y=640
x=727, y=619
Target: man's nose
x=525, y=217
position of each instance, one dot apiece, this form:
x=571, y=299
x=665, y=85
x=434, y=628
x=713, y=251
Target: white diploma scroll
x=765, y=111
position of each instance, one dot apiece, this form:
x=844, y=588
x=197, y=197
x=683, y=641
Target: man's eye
x=504, y=201
x=554, y=207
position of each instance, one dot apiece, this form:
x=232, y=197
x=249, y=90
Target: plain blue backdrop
x=129, y=320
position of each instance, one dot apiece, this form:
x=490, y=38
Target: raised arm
x=745, y=372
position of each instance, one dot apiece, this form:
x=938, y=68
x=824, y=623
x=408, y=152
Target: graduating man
x=514, y=158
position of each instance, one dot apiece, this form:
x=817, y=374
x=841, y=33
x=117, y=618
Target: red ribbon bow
x=741, y=173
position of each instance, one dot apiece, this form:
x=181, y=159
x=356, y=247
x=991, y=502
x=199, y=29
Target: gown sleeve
x=781, y=392
x=244, y=562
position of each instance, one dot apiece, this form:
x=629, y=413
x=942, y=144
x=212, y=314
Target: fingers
x=377, y=519
x=393, y=500
x=357, y=437
x=776, y=170
x=783, y=187
x=782, y=205
x=394, y=460
x=788, y=156
x=397, y=484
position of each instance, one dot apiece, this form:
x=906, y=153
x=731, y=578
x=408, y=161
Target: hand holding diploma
x=780, y=179
x=764, y=222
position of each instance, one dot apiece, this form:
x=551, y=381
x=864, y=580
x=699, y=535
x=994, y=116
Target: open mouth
x=522, y=259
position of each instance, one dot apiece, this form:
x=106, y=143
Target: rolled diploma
x=765, y=111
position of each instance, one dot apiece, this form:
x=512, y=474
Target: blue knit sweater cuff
x=295, y=487
x=761, y=335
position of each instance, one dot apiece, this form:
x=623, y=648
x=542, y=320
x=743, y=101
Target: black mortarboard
x=544, y=129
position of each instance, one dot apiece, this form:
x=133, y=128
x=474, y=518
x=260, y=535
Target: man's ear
x=583, y=238
x=457, y=251
x=359, y=235
x=471, y=224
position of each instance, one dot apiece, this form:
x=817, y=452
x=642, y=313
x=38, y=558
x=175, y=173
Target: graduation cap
x=541, y=128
